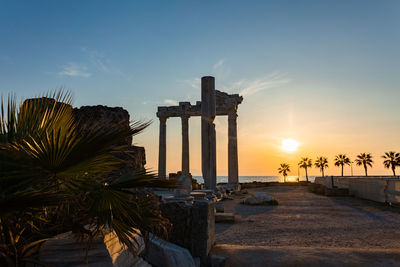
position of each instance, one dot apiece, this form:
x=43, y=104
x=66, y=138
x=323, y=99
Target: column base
x=233, y=186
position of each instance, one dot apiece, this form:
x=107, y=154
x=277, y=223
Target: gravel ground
x=309, y=229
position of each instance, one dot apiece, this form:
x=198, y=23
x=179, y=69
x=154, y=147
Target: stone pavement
x=310, y=230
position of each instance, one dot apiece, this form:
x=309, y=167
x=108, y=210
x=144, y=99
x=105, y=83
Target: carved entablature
x=225, y=103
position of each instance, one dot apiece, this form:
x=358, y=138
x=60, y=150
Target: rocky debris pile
x=259, y=198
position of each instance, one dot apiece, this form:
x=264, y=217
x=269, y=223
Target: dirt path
x=308, y=229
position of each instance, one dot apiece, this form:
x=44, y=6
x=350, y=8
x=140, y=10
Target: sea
x=250, y=179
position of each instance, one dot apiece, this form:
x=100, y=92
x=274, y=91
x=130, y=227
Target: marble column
x=162, y=152
x=208, y=141
x=185, y=144
x=233, y=177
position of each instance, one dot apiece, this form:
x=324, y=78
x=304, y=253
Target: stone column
x=208, y=142
x=185, y=144
x=162, y=152
x=233, y=177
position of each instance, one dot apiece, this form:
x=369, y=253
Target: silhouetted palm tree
x=392, y=159
x=284, y=169
x=53, y=176
x=305, y=163
x=341, y=160
x=321, y=163
x=364, y=159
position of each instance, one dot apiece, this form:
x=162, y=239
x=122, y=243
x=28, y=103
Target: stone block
x=161, y=253
x=219, y=207
x=224, y=217
x=217, y=261
x=64, y=250
x=193, y=225
x=259, y=198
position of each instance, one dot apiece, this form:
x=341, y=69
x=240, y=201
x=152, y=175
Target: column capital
x=185, y=116
x=232, y=114
x=163, y=119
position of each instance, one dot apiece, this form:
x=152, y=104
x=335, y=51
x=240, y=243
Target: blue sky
x=322, y=72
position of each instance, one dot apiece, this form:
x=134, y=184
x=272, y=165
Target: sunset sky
x=324, y=73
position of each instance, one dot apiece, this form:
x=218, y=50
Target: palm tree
x=305, y=163
x=392, y=159
x=54, y=178
x=364, y=159
x=341, y=160
x=284, y=169
x=321, y=163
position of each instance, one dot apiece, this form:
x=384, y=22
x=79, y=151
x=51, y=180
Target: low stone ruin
x=259, y=198
x=89, y=116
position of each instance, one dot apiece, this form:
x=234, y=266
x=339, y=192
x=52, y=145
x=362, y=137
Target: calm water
x=249, y=179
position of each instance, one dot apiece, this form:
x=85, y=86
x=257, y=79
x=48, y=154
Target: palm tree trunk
x=323, y=172
x=365, y=167
x=342, y=169
x=306, y=174
x=394, y=170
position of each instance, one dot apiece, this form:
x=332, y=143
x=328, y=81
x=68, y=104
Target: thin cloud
x=75, y=70
x=194, y=82
x=270, y=81
x=218, y=64
x=100, y=62
x=170, y=102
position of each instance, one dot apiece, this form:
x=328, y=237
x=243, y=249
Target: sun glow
x=289, y=145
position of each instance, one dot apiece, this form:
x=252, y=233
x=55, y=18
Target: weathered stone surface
x=161, y=253
x=195, y=185
x=45, y=102
x=224, y=103
x=63, y=250
x=219, y=207
x=162, y=148
x=184, y=186
x=102, y=116
x=193, y=226
x=259, y=198
x=185, y=145
x=217, y=261
x=208, y=136
x=224, y=217
x=198, y=195
x=99, y=116
x=213, y=103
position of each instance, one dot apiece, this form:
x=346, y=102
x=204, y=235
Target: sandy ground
x=306, y=229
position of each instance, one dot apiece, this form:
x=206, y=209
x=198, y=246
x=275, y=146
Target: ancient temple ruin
x=213, y=103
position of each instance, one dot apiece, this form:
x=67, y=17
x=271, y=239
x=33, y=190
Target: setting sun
x=289, y=145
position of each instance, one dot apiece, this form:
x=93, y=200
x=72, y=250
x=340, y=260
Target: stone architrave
x=208, y=141
x=233, y=178
x=162, y=153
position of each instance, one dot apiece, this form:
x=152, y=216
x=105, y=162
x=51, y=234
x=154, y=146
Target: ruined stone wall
x=102, y=115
